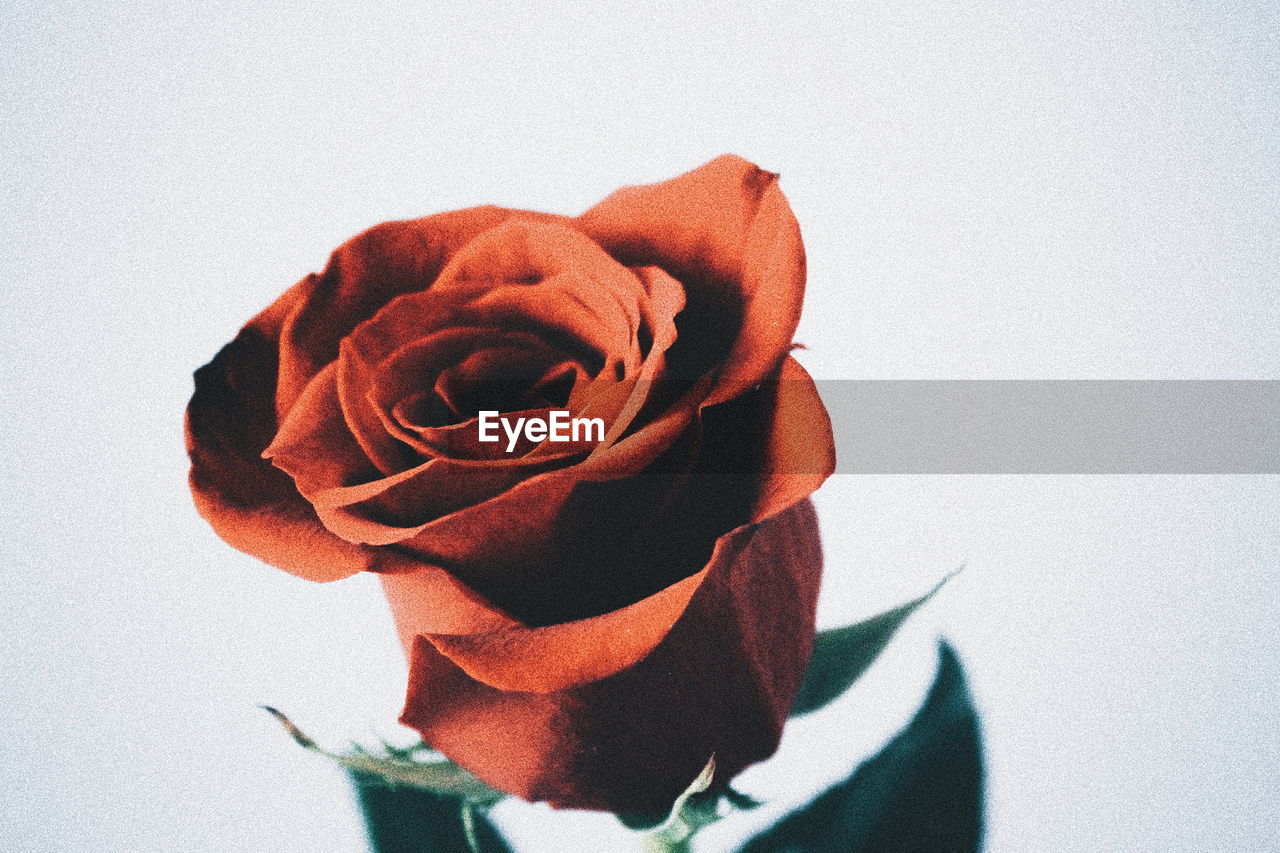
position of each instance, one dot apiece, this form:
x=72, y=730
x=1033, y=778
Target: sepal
x=414, y=800
x=417, y=766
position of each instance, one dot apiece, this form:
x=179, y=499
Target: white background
x=1020, y=190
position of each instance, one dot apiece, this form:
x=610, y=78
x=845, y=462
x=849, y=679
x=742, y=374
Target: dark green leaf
x=405, y=819
x=841, y=655
x=741, y=801
x=922, y=792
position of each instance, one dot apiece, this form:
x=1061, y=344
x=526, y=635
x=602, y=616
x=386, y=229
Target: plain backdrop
x=1007, y=190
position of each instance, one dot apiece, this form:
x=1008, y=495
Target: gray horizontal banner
x=1055, y=426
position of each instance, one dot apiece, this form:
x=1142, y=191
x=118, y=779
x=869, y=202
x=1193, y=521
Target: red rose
x=586, y=622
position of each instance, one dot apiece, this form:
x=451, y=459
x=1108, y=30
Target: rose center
x=506, y=378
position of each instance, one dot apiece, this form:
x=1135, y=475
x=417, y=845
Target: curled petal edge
x=427, y=599
x=556, y=657
x=801, y=453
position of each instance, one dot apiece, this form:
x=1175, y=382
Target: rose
x=587, y=622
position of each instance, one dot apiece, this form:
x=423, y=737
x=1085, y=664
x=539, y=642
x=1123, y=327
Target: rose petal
x=330, y=462
x=352, y=499
x=314, y=444
x=446, y=371
x=230, y=420
x=543, y=660
x=666, y=300
x=523, y=518
x=554, y=277
x=397, y=508
x=800, y=454
x=731, y=665
x=366, y=273
x=316, y=448
x=355, y=374
x=726, y=231
x=520, y=279
x=426, y=599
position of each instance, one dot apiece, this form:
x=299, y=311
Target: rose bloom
x=586, y=622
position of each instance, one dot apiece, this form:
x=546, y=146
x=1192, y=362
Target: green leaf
x=741, y=801
x=414, y=800
x=842, y=655
x=921, y=792
x=405, y=819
